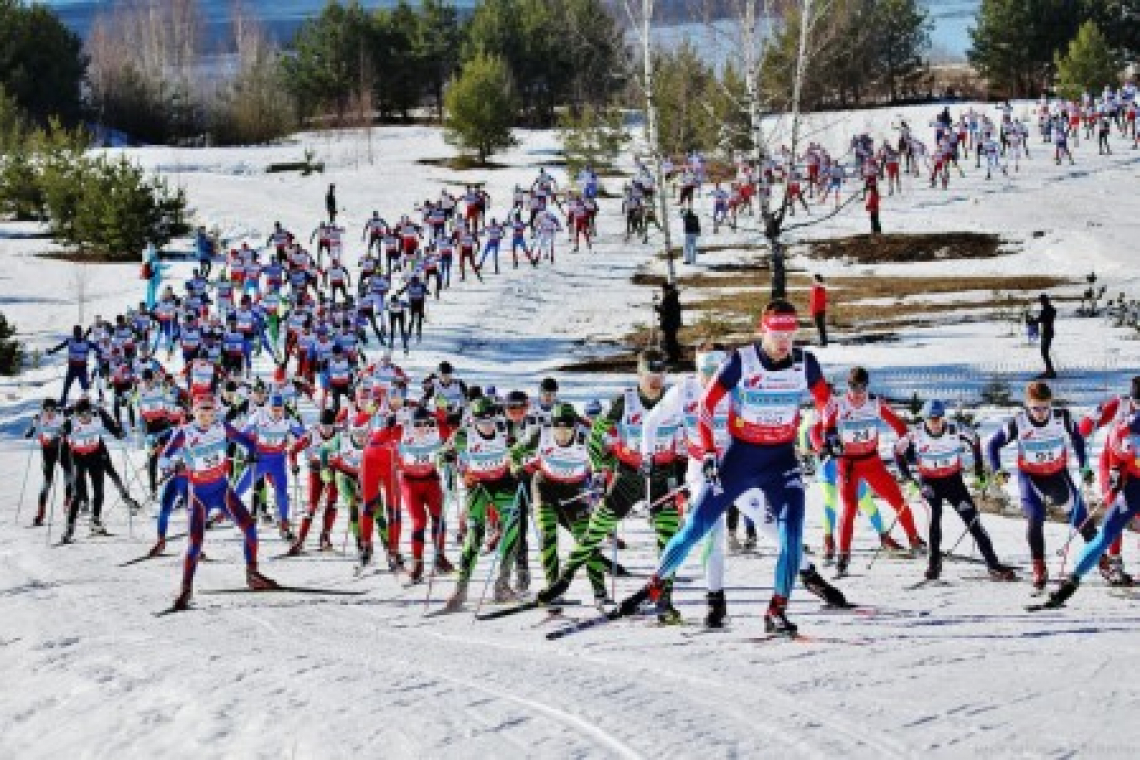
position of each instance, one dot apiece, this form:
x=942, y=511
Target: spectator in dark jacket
x=669, y=319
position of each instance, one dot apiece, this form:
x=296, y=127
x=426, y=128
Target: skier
x=78, y=349
x=1043, y=435
x=417, y=440
x=1114, y=411
x=682, y=403
x=616, y=446
x=47, y=427
x=202, y=445
x=270, y=430
x=1120, y=486
x=850, y=433
x=766, y=379
x=83, y=435
x=936, y=446
x=558, y=458
x=482, y=450
x=311, y=443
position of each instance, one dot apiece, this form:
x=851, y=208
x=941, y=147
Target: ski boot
x=602, y=600
x=416, y=574
x=749, y=543
x=68, y=536
x=933, y=568
x=443, y=565
x=842, y=562
x=918, y=547
x=667, y=614
x=828, y=549
x=1040, y=574
x=733, y=544
x=396, y=563
x=503, y=592
x=718, y=609
x=522, y=580
x=553, y=591
x=326, y=544
x=815, y=583
x=158, y=548
x=776, y=621
x=1000, y=572
x=631, y=604
x=296, y=549
x=457, y=599
x=98, y=528
x=257, y=581
x=1058, y=598
x=1112, y=570
x=182, y=601
x=365, y=554
x=889, y=545
x=284, y=531
x=38, y=522
x=132, y=505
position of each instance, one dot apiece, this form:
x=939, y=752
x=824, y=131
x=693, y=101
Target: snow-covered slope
x=949, y=671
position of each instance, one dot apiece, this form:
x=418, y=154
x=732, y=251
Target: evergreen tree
x=480, y=107
x=1088, y=65
x=1014, y=41
x=437, y=47
x=902, y=38
x=398, y=68
x=11, y=349
x=41, y=61
x=325, y=70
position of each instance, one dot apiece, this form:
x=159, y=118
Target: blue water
x=952, y=18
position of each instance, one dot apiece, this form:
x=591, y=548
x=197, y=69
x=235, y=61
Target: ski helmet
x=933, y=408
x=482, y=409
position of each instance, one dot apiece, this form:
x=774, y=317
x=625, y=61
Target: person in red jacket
x=873, y=208
x=851, y=433
x=818, y=307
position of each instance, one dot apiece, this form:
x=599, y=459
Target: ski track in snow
x=949, y=671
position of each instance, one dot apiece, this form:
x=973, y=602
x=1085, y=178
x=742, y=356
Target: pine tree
x=11, y=349
x=902, y=37
x=480, y=107
x=1013, y=41
x=1088, y=65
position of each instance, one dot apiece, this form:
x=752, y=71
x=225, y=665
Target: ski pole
x=498, y=551
x=51, y=491
x=1074, y=531
x=23, y=488
x=970, y=527
x=879, y=548
x=438, y=544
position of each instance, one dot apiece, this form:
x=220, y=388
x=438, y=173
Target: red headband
x=779, y=322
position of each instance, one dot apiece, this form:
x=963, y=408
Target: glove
x=981, y=480
x=296, y=470
x=646, y=467
x=326, y=476
x=1001, y=477
x=598, y=481
x=833, y=444
x=449, y=456
x=710, y=469
x=1087, y=476
x=1115, y=483
x=926, y=491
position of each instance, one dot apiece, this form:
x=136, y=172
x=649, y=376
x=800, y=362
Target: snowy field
x=950, y=671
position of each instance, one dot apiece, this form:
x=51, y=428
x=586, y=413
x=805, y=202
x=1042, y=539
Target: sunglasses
x=424, y=424
x=1036, y=408
x=857, y=387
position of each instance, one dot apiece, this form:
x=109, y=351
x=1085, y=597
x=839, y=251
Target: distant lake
x=952, y=18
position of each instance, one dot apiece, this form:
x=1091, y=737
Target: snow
x=946, y=672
